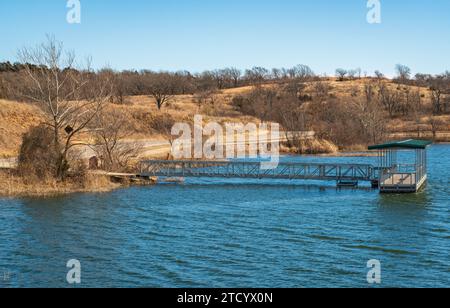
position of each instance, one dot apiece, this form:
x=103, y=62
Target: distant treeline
x=146, y=82
x=143, y=82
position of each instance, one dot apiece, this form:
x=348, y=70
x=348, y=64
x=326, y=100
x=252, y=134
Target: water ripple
x=218, y=234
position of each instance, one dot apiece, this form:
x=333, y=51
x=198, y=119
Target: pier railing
x=398, y=178
x=403, y=175
x=253, y=170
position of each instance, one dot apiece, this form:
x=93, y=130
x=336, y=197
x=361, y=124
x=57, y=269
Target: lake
x=233, y=233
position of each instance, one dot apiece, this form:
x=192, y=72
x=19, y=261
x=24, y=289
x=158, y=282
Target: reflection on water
x=406, y=202
x=232, y=233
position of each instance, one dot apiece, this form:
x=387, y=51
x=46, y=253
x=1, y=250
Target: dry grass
x=344, y=89
x=140, y=111
x=313, y=146
x=12, y=185
x=15, y=120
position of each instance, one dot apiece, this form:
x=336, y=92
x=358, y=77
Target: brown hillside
x=16, y=118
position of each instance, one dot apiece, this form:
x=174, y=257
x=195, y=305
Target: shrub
x=38, y=155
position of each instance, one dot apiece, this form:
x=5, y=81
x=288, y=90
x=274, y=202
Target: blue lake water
x=233, y=233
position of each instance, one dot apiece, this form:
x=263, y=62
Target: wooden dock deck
x=402, y=183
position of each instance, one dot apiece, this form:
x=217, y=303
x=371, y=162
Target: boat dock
x=388, y=176
x=402, y=177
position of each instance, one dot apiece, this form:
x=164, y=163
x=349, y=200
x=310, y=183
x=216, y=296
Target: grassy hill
x=15, y=120
x=142, y=115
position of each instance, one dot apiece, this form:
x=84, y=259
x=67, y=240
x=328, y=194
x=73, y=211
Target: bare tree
x=302, y=72
x=321, y=90
x=110, y=129
x=422, y=79
x=436, y=124
x=403, y=72
x=183, y=81
x=69, y=98
x=163, y=124
x=437, y=87
x=294, y=118
x=341, y=73
x=3, y=88
x=204, y=98
x=257, y=74
x=284, y=73
x=389, y=99
x=369, y=92
x=205, y=81
x=219, y=77
x=259, y=103
x=352, y=74
x=277, y=74
x=235, y=75
x=409, y=101
x=120, y=88
x=162, y=87
x=379, y=75
x=417, y=112
x=371, y=117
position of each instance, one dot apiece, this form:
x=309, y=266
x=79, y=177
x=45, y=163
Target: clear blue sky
x=206, y=34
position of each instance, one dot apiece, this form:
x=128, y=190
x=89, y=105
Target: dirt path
x=8, y=163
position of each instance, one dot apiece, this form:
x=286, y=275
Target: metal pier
x=341, y=173
x=388, y=176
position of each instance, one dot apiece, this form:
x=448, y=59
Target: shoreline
x=15, y=186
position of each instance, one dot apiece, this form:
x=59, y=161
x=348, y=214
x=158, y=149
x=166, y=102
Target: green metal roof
x=405, y=144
